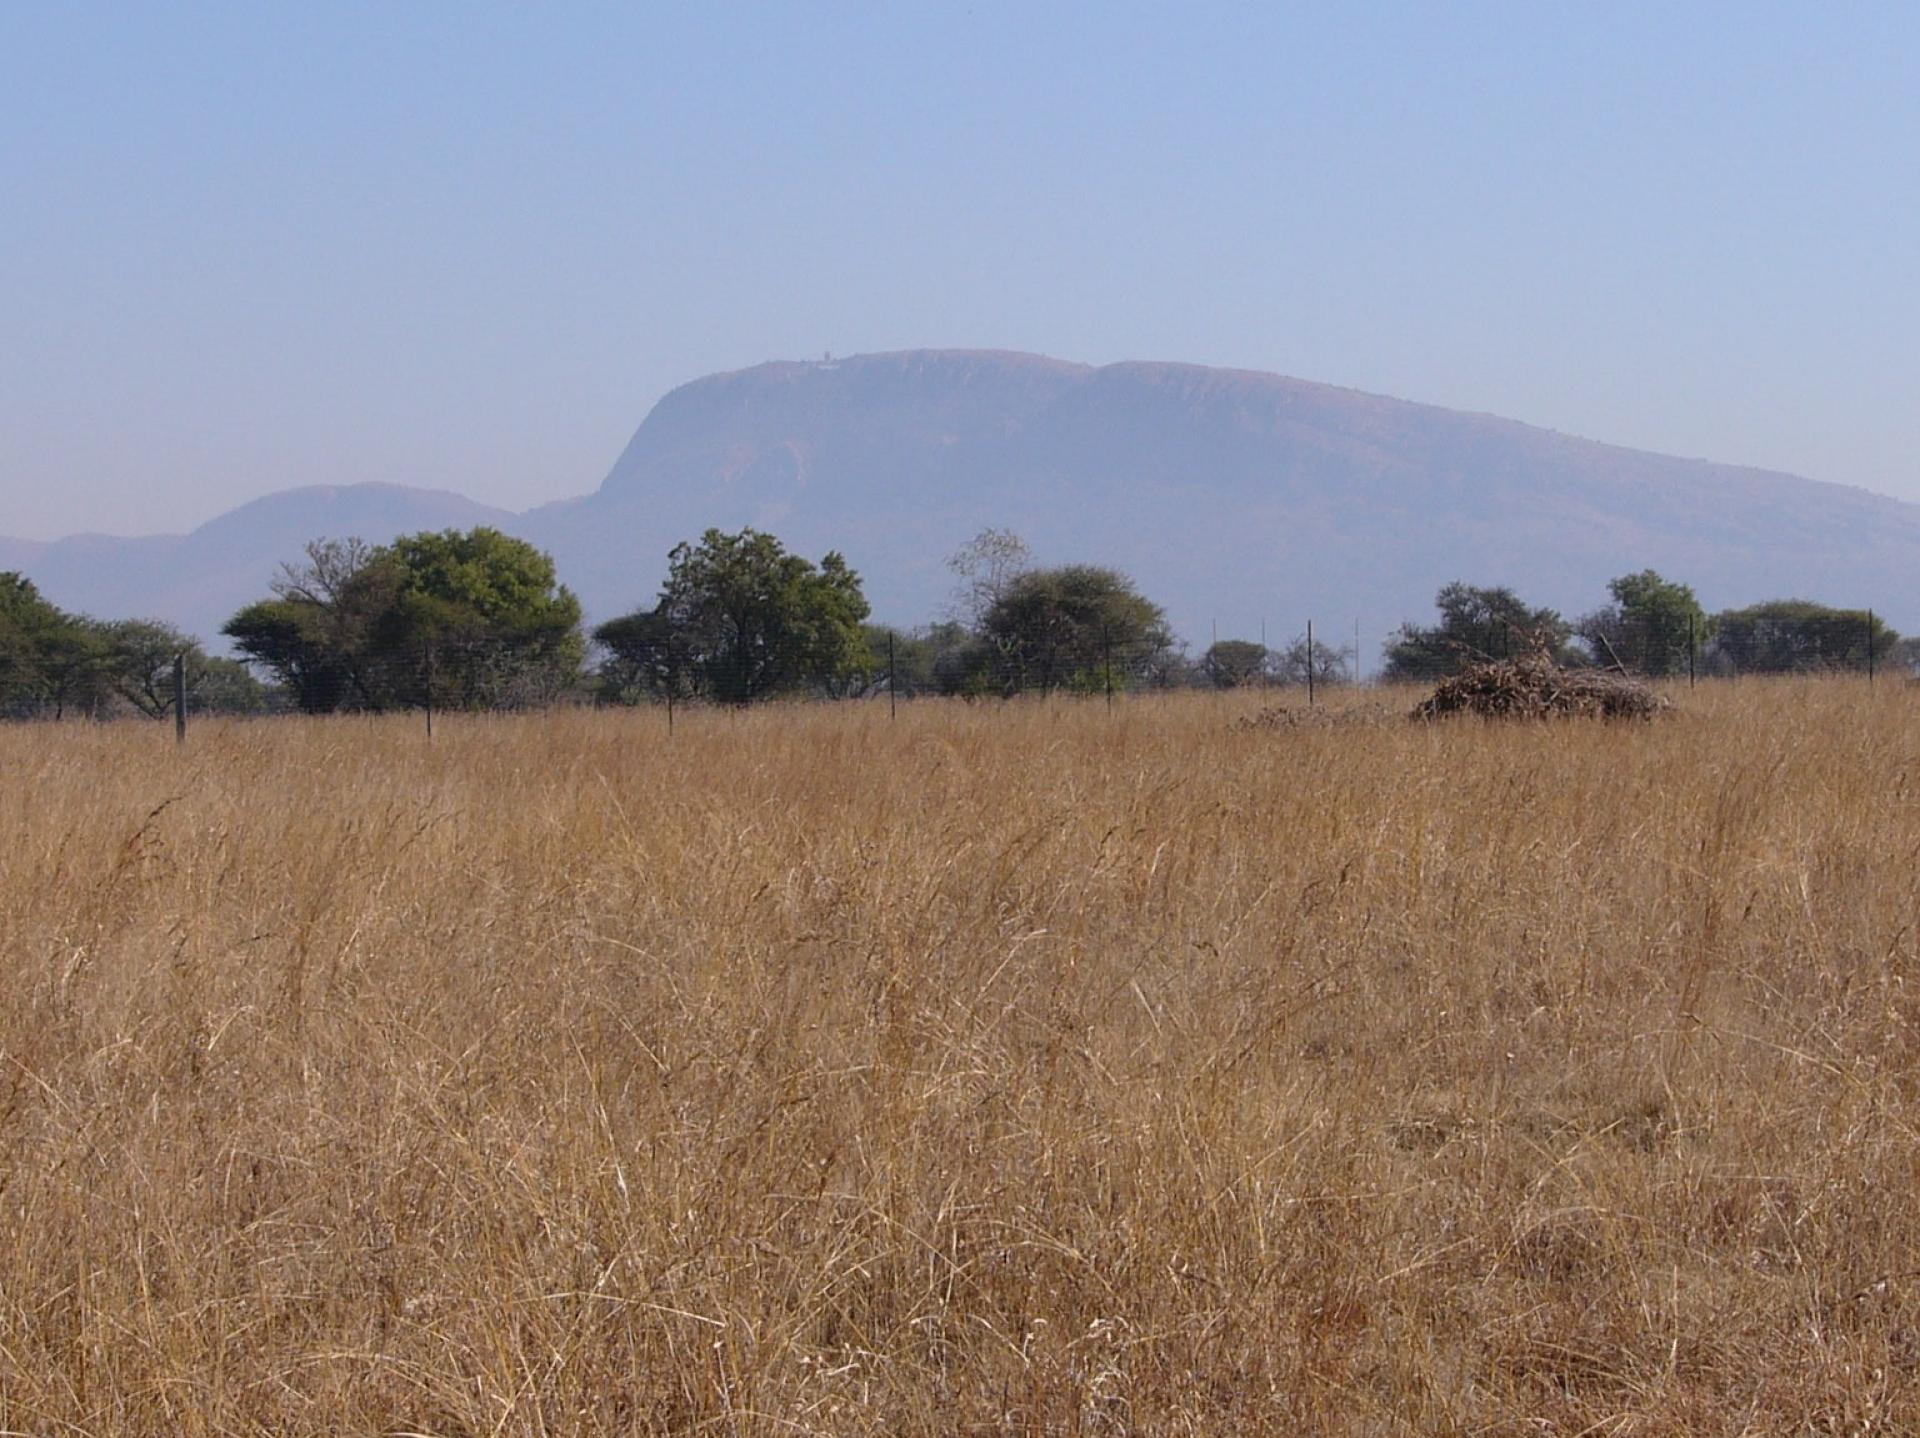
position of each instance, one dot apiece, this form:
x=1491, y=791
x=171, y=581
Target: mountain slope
x=197, y=580
x=1233, y=497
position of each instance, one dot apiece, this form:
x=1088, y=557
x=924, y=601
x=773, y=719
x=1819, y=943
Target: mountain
x=1232, y=497
x=198, y=580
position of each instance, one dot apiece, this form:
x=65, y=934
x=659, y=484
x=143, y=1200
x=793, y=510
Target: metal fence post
x=179, y=698
x=1309, y=664
x=893, y=680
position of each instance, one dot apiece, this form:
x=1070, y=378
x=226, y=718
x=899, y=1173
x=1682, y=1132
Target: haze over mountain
x=1230, y=496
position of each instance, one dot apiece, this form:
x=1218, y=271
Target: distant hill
x=1231, y=496
x=197, y=580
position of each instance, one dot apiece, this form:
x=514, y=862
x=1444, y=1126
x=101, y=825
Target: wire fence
x=433, y=679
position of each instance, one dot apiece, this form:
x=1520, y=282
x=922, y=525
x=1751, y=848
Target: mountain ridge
x=1232, y=495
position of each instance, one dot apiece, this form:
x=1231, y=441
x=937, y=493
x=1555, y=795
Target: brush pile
x=1534, y=687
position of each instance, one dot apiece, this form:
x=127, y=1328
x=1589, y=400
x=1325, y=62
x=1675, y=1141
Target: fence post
x=1869, y=649
x=1309, y=664
x=429, y=692
x=1106, y=644
x=893, y=681
x=1690, y=649
x=179, y=698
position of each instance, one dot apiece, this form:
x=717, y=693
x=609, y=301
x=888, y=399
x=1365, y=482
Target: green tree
x=1073, y=626
x=487, y=612
x=282, y=637
x=475, y=619
x=646, y=659
x=1649, y=627
x=139, y=663
x=1475, y=623
x=1786, y=636
x=51, y=663
x=1234, y=663
x=746, y=620
x=327, y=634
x=227, y=686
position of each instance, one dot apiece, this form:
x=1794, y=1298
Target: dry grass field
x=1030, y=1069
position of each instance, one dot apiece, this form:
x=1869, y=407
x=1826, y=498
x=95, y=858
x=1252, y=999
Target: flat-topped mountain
x=1231, y=496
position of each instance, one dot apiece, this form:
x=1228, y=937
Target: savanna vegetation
x=478, y=620
x=1040, y=1068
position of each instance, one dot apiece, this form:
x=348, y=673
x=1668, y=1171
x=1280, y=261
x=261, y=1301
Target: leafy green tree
x=746, y=620
x=1068, y=627
x=471, y=619
x=51, y=663
x=328, y=633
x=489, y=615
x=1797, y=635
x=1234, y=663
x=900, y=658
x=646, y=658
x=1475, y=624
x=1649, y=626
x=283, y=637
x=227, y=686
x=139, y=663
x=74, y=670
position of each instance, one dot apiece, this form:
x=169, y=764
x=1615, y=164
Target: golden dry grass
x=1002, y=1070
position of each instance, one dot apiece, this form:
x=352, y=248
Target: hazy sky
x=466, y=245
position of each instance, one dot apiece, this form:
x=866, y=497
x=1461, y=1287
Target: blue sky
x=250, y=246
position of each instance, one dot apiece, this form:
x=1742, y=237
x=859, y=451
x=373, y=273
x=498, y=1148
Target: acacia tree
x=1650, y=627
x=646, y=658
x=139, y=660
x=1475, y=623
x=1075, y=627
x=473, y=619
x=51, y=663
x=740, y=619
x=321, y=635
x=489, y=616
x=1232, y=663
x=1789, y=635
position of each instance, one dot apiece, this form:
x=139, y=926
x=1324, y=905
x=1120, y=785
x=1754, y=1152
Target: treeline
x=1653, y=627
x=56, y=665
x=478, y=620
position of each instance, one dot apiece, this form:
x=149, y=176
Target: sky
x=467, y=246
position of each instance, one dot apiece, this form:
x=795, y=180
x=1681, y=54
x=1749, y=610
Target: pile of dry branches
x=1534, y=687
